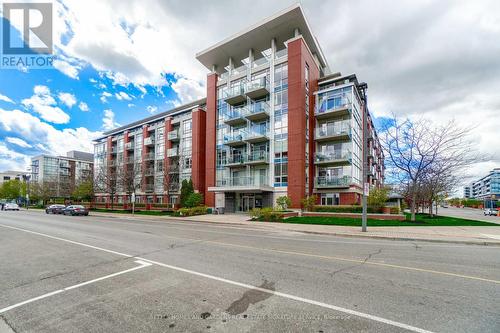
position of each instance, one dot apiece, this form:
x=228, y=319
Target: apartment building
x=488, y=187
x=467, y=192
x=11, y=175
x=274, y=122
x=61, y=174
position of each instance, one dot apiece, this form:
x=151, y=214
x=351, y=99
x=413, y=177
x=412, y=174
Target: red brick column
x=109, y=157
x=166, y=165
x=298, y=57
x=145, y=134
x=199, y=119
x=210, y=141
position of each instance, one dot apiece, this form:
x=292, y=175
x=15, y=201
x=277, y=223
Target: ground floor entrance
x=242, y=202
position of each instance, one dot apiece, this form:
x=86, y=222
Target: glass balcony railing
x=235, y=138
x=281, y=53
x=149, y=172
x=258, y=156
x=149, y=141
x=149, y=187
x=239, y=70
x=236, y=116
x=334, y=130
x=259, y=110
x=236, y=94
x=258, y=87
x=336, y=156
x=328, y=181
x=149, y=156
x=129, y=146
x=173, y=135
x=333, y=105
x=244, y=181
x=257, y=134
x=171, y=152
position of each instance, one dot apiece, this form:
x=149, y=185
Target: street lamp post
x=363, y=87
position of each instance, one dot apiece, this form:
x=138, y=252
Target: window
x=330, y=199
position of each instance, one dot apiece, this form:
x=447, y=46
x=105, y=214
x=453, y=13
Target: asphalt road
x=468, y=213
x=95, y=274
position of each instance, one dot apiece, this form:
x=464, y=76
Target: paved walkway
x=460, y=234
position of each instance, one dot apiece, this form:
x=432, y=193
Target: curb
x=339, y=234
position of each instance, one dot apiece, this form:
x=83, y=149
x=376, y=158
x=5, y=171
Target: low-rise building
x=61, y=174
x=11, y=175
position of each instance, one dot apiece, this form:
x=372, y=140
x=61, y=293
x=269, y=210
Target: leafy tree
x=84, y=191
x=283, y=202
x=13, y=189
x=378, y=197
x=194, y=200
x=309, y=202
x=187, y=189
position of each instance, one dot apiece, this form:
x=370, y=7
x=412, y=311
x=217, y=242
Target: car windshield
x=78, y=207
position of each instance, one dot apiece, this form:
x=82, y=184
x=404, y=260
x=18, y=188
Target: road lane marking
x=216, y=278
x=359, y=261
x=292, y=297
x=142, y=264
x=492, y=236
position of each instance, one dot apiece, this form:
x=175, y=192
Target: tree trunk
x=413, y=203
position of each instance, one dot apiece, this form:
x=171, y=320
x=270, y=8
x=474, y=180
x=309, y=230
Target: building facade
x=274, y=122
x=467, y=192
x=11, y=175
x=488, y=187
x=62, y=174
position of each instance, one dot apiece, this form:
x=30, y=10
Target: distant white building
x=11, y=175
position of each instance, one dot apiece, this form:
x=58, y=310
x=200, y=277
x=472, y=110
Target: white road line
x=492, y=236
x=216, y=278
x=142, y=264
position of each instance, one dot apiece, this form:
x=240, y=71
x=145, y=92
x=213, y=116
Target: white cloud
x=5, y=99
x=66, y=68
x=83, y=107
x=188, y=90
x=12, y=160
x=152, y=109
x=68, y=99
x=123, y=96
x=45, y=105
x=18, y=142
x=43, y=135
x=130, y=105
x=104, y=96
x=108, y=121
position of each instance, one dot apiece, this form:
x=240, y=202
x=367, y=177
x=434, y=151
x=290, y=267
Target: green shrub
x=267, y=214
x=283, y=202
x=194, y=200
x=394, y=210
x=308, y=203
x=187, y=189
x=200, y=210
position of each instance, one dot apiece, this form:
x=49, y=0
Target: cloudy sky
x=119, y=61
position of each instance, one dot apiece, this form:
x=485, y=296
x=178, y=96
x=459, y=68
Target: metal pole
x=363, y=87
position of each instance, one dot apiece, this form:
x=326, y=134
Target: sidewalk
x=460, y=234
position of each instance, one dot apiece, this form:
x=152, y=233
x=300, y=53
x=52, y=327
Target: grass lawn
x=137, y=212
x=421, y=220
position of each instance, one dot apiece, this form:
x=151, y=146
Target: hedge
x=266, y=214
x=352, y=209
x=200, y=210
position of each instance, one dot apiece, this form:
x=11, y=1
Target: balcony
x=332, y=182
x=149, y=141
x=235, y=160
x=258, y=88
x=235, y=139
x=149, y=172
x=129, y=146
x=257, y=135
x=129, y=160
x=173, y=135
x=149, y=188
x=337, y=157
x=236, y=116
x=258, y=111
x=333, y=132
x=149, y=157
x=258, y=157
x=236, y=95
x=335, y=107
x=242, y=183
x=173, y=152
x=173, y=169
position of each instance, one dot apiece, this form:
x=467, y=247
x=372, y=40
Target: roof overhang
x=280, y=26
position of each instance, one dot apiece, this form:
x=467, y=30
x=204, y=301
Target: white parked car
x=490, y=211
x=11, y=206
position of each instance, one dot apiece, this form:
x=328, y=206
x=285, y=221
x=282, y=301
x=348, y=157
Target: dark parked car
x=55, y=209
x=76, y=210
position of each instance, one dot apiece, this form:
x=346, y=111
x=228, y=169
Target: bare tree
x=171, y=176
x=130, y=180
x=106, y=181
x=420, y=153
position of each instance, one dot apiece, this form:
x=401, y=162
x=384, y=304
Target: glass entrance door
x=247, y=203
